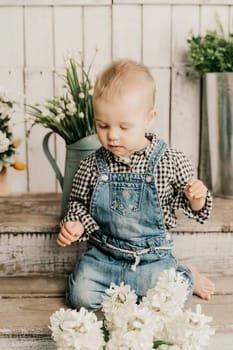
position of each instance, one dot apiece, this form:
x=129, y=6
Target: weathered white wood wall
x=35, y=36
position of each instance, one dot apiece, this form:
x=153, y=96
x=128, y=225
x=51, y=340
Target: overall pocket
x=125, y=198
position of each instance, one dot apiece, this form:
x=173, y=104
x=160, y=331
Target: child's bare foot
x=203, y=287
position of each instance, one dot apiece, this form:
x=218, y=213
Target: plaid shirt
x=172, y=173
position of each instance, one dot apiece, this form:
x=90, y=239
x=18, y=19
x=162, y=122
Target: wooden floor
x=27, y=303
x=28, y=296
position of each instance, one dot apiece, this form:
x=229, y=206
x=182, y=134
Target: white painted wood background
x=35, y=36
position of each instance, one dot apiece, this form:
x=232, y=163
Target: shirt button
x=148, y=179
x=104, y=178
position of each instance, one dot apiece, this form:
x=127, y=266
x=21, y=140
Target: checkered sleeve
x=79, y=200
x=183, y=172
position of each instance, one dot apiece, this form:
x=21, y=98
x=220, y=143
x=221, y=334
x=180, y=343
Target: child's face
x=121, y=122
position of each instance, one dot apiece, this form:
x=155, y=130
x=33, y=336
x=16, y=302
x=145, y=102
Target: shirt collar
x=147, y=151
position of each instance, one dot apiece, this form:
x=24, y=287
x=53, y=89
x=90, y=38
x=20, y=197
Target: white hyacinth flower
x=133, y=326
x=116, y=296
x=71, y=108
x=76, y=330
x=133, y=329
x=5, y=110
x=169, y=294
x=118, y=299
x=81, y=95
x=4, y=142
x=59, y=117
x=129, y=341
x=59, y=110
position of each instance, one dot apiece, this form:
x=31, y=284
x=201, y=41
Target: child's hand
x=196, y=193
x=70, y=232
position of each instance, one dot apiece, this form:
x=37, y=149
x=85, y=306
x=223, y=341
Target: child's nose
x=113, y=134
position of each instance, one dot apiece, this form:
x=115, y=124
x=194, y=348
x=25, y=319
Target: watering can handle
x=51, y=159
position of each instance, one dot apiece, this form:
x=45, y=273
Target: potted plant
x=8, y=144
x=70, y=115
x=212, y=58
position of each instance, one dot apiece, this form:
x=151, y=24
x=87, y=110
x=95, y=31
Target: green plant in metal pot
x=211, y=55
x=212, y=52
x=71, y=116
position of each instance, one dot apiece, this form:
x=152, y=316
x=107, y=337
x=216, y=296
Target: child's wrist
x=197, y=204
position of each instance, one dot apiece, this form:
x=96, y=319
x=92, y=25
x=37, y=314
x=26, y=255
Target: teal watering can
x=74, y=154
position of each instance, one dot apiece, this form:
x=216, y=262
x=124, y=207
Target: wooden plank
x=36, y=253
x=127, y=35
x=43, y=286
x=220, y=220
x=19, y=214
x=39, y=85
x=231, y=20
x=217, y=341
x=157, y=36
x=31, y=316
x=162, y=103
x=29, y=227
x=97, y=36
x=220, y=309
x=12, y=80
x=185, y=20
x=68, y=32
x=173, y=2
x=109, y=2
x=221, y=341
x=11, y=22
x=53, y=2
x=185, y=117
x=211, y=15
x=27, y=316
x=210, y=253
x=32, y=286
x=30, y=213
x=34, y=342
x=38, y=36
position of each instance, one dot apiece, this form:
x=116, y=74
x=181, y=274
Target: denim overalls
x=132, y=244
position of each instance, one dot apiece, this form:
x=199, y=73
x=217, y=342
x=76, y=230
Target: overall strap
x=156, y=155
x=100, y=161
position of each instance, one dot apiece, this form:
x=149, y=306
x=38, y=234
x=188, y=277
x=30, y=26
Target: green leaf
x=105, y=333
x=157, y=343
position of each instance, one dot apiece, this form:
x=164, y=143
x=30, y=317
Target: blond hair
x=112, y=79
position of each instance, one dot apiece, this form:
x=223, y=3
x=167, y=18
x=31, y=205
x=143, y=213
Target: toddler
x=125, y=195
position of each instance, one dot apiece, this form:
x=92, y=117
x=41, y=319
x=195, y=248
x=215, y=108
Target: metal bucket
x=218, y=90
x=74, y=154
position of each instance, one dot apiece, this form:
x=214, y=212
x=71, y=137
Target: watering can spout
x=51, y=159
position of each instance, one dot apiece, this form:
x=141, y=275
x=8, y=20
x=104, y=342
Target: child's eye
x=124, y=127
x=102, y=126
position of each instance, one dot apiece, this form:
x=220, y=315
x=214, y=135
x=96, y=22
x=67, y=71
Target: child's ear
x=152, y=115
